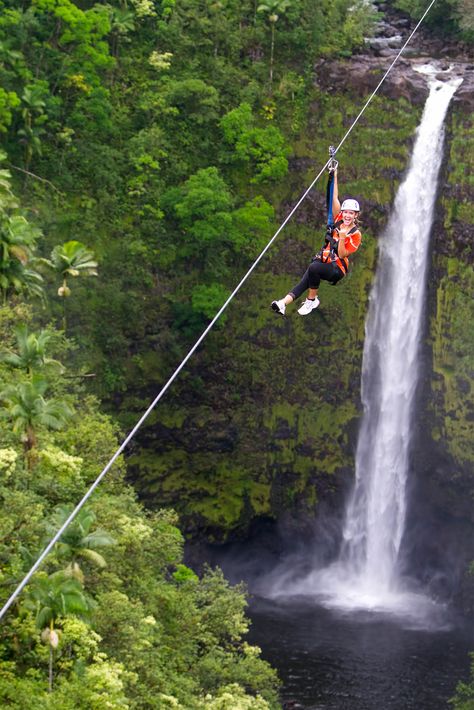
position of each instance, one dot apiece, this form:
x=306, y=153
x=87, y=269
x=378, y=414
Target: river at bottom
x=358, y=661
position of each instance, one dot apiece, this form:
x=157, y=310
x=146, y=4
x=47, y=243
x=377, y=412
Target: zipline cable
x=137, y=426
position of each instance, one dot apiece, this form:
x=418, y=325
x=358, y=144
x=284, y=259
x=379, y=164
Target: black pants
x=316, y=271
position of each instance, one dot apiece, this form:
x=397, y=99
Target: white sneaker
x=279, y=307
x=308, y=306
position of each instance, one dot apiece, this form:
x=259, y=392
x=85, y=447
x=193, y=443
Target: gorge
x=149, y=150
x=369, y=582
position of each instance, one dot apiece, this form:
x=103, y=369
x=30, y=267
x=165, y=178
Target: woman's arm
x=341, y=249
x=348, y=244
x=336, y=205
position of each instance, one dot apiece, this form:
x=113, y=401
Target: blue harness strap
x=329, y=195
x=330, y=187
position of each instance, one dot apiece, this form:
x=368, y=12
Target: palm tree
x=78, y=542
x=52, y=597
x=34, y=118
x=32, y=348
x=7, y=198
x=17, y=239
x=24, y=404
x=71, y=259
x=121, y=24
x=273, y=9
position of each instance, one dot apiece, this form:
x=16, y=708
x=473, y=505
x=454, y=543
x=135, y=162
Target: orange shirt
x=351, y=243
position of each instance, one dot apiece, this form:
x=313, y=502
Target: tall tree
x=25, y=406
x=34, y=118
x=79, y=541
x=31, y=352
x=17, y=241
x=273, y=9
x=52, y=597
x=70, y=260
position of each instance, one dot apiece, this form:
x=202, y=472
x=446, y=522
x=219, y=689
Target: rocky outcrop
x=360, y=74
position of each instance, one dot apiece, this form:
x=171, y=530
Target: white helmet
x=350, y=205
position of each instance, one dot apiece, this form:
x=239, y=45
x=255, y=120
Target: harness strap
x=329, y=197
x=326, y=254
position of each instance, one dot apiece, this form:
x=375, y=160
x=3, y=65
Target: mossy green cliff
x=264, y=421
x=452, y=318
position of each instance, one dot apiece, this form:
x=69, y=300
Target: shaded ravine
x=356, y=634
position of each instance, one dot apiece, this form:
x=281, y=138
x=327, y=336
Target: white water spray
x=366, y=575
x=375, y=515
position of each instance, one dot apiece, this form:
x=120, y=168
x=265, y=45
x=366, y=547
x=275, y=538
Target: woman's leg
x=310, y=281
x=317, y=271
x=327, y=272
x=300, y=287
x=280, y=306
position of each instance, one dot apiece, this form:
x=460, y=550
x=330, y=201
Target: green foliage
x=453, y=343
x=203, y=209
x=91, y=441
x=34, y=117
x=27, y=409
x=79, y=542
x=8, y=101
x=54, y=596
x=31, y=351
x=447, y=17
x=58, y=475
x=232, y=697
x=453, y=356
x=253, y=226
x=18, y=239
x=113, y=620
x=118, y=601
x=195, y=100
x=264, y=150
x=183, y=574
x=70, y=260
x=206, y=300
x=464, y=697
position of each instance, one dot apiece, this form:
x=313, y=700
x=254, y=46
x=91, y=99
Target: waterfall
x=375, y=515
x=366, y=575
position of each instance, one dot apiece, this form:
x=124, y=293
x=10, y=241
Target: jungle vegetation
x=142, y=144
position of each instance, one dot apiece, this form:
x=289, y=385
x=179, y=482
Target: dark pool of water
x=331, y=661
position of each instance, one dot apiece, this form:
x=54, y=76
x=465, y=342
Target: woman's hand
x=342, y=251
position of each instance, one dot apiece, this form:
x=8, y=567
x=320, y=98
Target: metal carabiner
x=332, y=164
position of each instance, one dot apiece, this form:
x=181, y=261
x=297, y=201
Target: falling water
x=375, y=515
x=366, y=574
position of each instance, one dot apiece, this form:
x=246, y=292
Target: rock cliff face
x=264, y=423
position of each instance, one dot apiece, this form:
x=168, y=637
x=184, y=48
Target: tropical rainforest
x=149, y=150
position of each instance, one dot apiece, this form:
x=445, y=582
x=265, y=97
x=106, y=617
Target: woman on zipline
x=331, y=263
